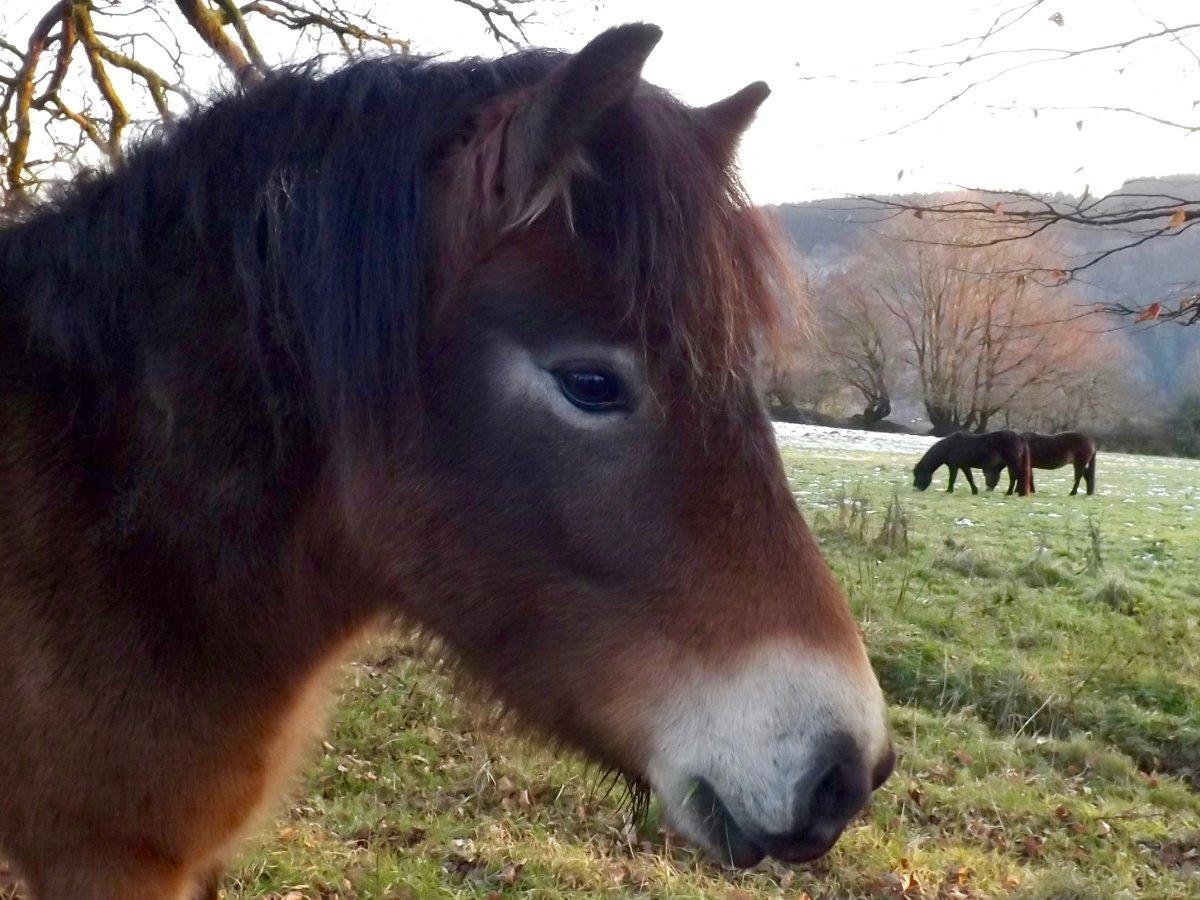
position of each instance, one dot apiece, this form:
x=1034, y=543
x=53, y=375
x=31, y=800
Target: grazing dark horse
x=469, y=341
x=1053, y=451
x=962, y=452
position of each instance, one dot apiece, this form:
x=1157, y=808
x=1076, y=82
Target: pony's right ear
x=524, y=145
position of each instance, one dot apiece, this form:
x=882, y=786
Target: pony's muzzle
x=772, y=758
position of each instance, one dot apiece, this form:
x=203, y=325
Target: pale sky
x=827, y=128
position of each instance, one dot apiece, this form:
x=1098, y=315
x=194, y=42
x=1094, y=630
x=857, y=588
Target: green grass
x=1042, y=657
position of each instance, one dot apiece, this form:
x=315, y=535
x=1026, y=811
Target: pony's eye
x=591, y=390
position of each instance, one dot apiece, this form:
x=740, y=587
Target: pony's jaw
x=738, y=752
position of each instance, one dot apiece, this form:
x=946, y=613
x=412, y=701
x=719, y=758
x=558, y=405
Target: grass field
x=1042, y=658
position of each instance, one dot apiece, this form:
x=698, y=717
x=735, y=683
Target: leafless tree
x=86, y=73
x=980, y=333
x=861, y=336
x=799, y=373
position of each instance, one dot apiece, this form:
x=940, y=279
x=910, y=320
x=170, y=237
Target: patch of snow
x=818, y=437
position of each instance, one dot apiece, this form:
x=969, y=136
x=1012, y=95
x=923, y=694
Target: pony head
x=574, y=482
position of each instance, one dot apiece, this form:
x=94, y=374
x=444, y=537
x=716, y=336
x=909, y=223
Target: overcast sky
x=839, y=122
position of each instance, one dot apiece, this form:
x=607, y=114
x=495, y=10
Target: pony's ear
x=571, y=101
x=523, y=145
x=727, y=119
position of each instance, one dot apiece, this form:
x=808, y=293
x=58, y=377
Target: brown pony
x=995, y=450
x=1053, y=451
x=469, y=341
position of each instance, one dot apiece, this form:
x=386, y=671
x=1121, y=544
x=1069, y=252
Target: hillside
x=1167, y=358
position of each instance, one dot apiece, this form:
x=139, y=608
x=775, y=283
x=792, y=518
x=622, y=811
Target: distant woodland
x=939, y=323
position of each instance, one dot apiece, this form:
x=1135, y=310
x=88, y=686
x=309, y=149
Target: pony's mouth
x=718, y=830
x=713, y=826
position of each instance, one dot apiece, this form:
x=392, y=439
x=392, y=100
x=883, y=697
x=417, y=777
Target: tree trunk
x=876, y=411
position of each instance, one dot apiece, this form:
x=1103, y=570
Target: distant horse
x=1053, y=451
x=469, y=341
x=962, y=452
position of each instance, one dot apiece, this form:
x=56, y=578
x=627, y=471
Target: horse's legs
x=953, y=476
x=1014, y=478
x=971, y=481
x=1078, y=478
x=1089, y=473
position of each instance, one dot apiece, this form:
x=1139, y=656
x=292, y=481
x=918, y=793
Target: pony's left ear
x=569, y=104
x=525, y=145
x=727, y=119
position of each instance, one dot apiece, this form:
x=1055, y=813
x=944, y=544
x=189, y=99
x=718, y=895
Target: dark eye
x=591, y=390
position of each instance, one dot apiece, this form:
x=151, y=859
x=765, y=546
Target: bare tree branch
x=73, y=84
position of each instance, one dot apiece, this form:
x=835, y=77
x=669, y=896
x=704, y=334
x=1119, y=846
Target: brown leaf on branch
x=1177, y=219
x=1149, y=314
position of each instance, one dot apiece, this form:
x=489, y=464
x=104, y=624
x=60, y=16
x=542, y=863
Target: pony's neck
x=131, y=350
x=934, y=457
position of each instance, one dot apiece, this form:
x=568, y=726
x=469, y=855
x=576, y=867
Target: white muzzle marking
x=752, y=733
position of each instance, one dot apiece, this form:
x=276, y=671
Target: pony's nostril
x=826, y=798
x=840, y=793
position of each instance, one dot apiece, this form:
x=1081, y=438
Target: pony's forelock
x=703, y=273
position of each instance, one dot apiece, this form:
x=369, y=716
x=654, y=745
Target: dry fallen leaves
x=510, y=873
x=899, y=884
x=618, y=874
